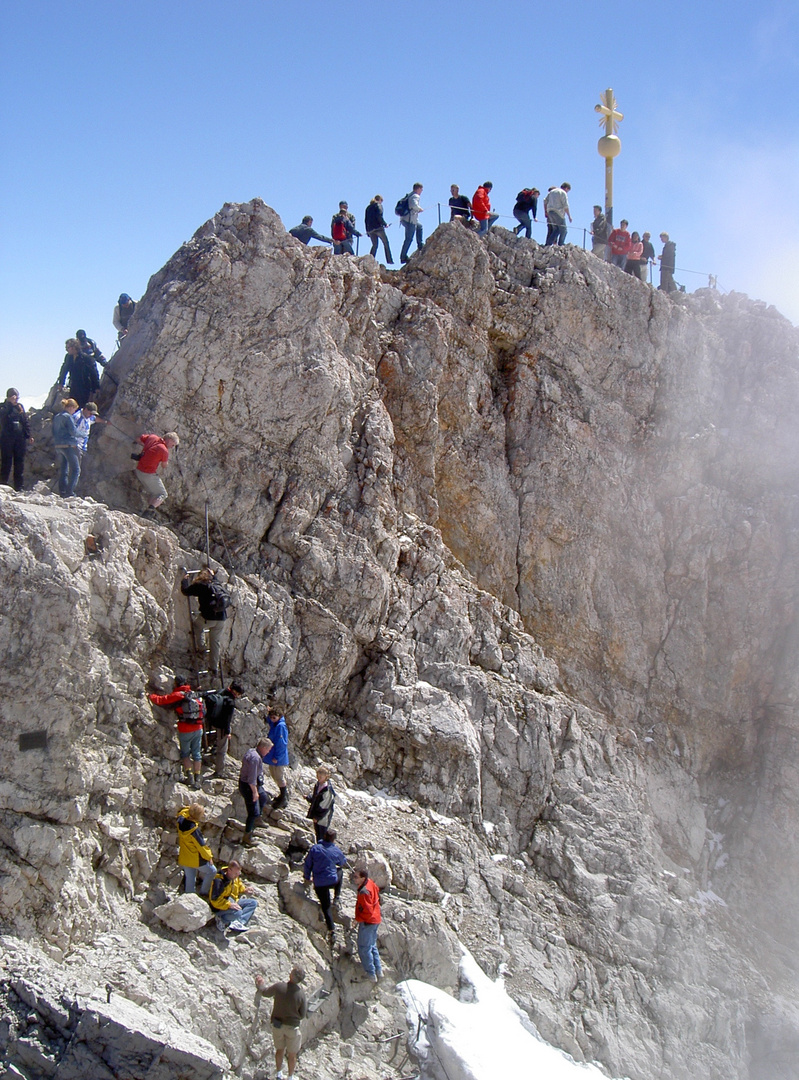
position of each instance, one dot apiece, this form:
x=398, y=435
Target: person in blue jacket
x=325, y=864
x=278, y=757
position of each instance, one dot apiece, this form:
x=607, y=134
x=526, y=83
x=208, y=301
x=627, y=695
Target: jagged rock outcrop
x=410, y=475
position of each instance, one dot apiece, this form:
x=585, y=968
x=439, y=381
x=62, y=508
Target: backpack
x=218, y=599
x=339, y=230
x=192, y=707
x=402, y=209
x=214, y=706
x=525, y=196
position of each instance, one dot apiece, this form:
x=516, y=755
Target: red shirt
x=178, y=694
x=619, y=241
x=154, y=453
x=367, y=906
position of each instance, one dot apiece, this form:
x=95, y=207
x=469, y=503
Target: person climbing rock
x=305, y=232
x=194, y=855
x=289, y=1010
x=219, y=708
x=15, y=437
x=123, y=313
x=251, y=785
x=368, y=918
x=155, y=453
x=78, y=374
x=214, y=601
x=322, y=802
x=324, y=865
x=89, y=348
x=231, y=899
x=190, y=709
x=278, y=757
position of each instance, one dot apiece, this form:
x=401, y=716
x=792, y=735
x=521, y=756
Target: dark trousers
x=252, y=813
x=380, y=234
x=12, y=450
x=323, y=896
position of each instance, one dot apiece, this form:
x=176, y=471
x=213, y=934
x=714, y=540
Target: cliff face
x=513, y=539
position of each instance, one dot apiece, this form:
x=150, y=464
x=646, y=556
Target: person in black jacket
x=526, y=203
x=78, y=374
x=213, y=600
x=89, y=348
x=322, y=802
x=219, y=708
x=15, y=435
x=376, y=226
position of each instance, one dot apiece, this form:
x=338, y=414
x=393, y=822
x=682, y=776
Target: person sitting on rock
x=214, y=600
x=278, y=757
x=288, y=1012
x=251, y=785
x=219, y=708
x=190, y=708
x=154, y=455
x=323, y=802
x=324, y=864
x=231, y=899
x=193, y=853
x=368, y=918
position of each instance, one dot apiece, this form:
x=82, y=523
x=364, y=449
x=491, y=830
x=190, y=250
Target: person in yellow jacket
x=231, y=899
x=194, y=855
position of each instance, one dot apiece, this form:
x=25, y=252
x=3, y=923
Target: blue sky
x=127, y=126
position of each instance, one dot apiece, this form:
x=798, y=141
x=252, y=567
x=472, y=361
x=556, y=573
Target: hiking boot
x=196, y=782
x=281, y=799
x=247, y=839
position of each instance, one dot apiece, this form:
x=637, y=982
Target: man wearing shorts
x=289, y=1010
x=190, y=709
x=155, y=453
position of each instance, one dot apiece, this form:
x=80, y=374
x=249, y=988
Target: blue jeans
x=206, y=876
x=69, y=470
x=191, y=745
x=367, y=948
x=252, y=813
x=556, y=230
x=619, y=260
x=344, y=248
x=486, y=225
x=523, y=217
x=240, y=918
x=411, y=230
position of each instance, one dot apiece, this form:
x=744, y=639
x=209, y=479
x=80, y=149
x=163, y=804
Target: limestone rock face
x=188, y=912
x=509, y=538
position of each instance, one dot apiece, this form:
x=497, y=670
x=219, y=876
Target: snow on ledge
x=483, y=1036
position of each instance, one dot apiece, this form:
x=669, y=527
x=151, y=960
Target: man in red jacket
x=367, y=916
x=155, y=453
x=481, y=208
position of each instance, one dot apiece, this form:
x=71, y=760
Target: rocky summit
x=512, y=541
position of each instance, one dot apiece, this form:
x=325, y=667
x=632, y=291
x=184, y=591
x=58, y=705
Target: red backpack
x=339, y=229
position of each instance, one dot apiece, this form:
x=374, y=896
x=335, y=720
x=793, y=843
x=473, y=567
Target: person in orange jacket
x=367, y=916
x=481, y=208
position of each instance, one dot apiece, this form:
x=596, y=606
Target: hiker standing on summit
x=214, y=600
x=409, y=210
x=15, y=436
x=342, y=229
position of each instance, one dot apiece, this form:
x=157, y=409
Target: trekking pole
x=207, y=539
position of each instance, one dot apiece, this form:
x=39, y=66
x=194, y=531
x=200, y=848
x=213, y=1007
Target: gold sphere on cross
x=609, y=146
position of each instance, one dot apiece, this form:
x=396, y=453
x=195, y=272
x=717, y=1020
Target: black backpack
x=402, y=209
x=214, y=706
x=219, y=599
